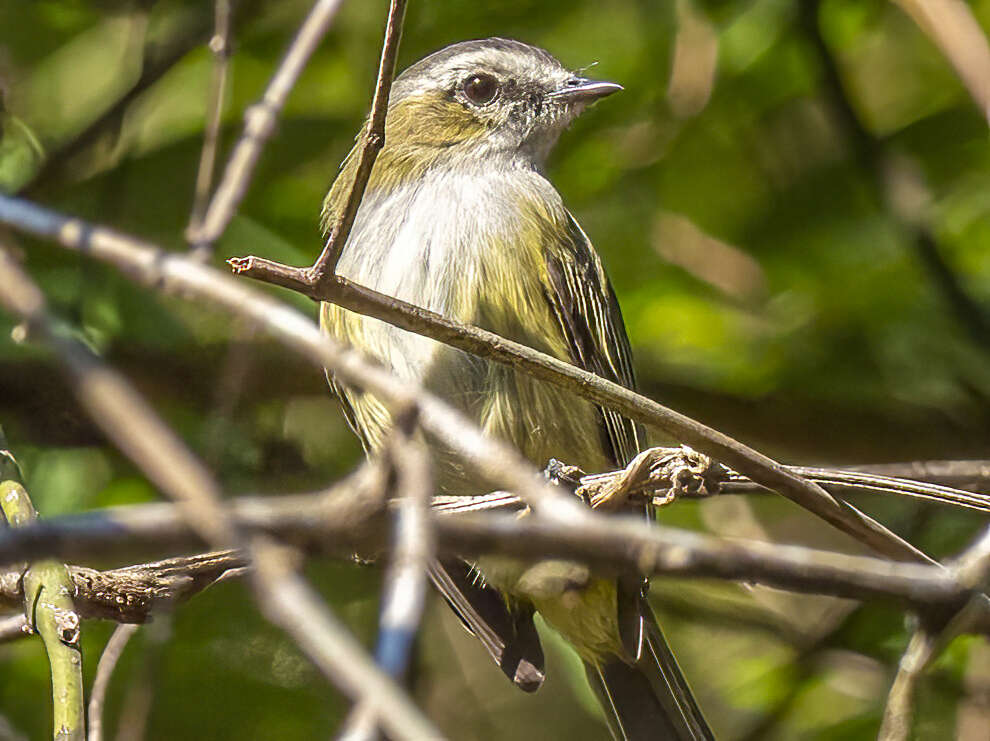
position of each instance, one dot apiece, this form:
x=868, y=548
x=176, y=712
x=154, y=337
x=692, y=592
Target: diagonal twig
x=282, y=594
x=956, y=32
x=259, y=125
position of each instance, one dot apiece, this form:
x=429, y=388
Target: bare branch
x=14, y=627
x=500, y=464
x=104, y=671
x=220, y=46
x=956, y=32
x=330, y=646
x=130, y=594
x=259, y=125
x=836, y=479
x=966, y=475
x=374, y=139
x=482, y=343
x=404, y=594
x=345, y=523
x=281, y=593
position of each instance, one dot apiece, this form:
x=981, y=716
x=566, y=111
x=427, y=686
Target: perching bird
x=458, y=218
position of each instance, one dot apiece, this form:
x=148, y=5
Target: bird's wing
x=588, y=314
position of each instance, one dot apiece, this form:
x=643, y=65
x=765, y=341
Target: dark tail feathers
x=648, y=700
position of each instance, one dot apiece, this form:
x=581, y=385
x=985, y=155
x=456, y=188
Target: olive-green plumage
x=458, y=219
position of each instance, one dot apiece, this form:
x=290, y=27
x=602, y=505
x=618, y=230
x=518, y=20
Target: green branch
x=48, y=592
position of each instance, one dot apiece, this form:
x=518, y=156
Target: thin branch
x=331, y=647
x=220, y=46
x=500, y=464
x=104, y=671
x=404, y=593
x=965, y=475
x=48, y=608
x=405, y=580
x=14, y=627
x=482, y=343
x=283, y=596
x=373, y=140
x=898, y=715
x=259, y=125
x=343, y=524
x=837, y=479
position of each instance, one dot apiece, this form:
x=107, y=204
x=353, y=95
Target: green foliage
x=770, y=286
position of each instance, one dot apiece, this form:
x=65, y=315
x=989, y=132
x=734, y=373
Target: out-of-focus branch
x=343, y=525
x=220, y=46
x=898, y=715
x=500, y=464
x=283, y=596
x=955, y=31
x=155, y=66
x=259, y=125
x=14, y=627
x=48, y=607
x=104, y=671
x=122, y=414
x=404, y=593
x=373, y=138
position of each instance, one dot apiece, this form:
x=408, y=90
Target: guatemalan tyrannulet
x=457, y=218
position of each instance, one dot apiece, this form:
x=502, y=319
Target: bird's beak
x=583, y=90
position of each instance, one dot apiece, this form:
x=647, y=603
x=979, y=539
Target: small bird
x=458, y=218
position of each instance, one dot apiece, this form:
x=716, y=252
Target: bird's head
x=487, y=98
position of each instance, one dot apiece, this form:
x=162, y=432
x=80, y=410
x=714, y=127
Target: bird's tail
x=647, y=699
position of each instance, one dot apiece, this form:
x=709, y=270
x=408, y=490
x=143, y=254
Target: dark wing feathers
x=589, y=317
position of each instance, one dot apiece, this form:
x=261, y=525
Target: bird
x=459, y=218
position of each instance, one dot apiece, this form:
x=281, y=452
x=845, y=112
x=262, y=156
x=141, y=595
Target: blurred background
x=792, y=199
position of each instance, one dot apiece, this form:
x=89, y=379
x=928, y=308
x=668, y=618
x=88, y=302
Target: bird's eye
x=481, y=89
